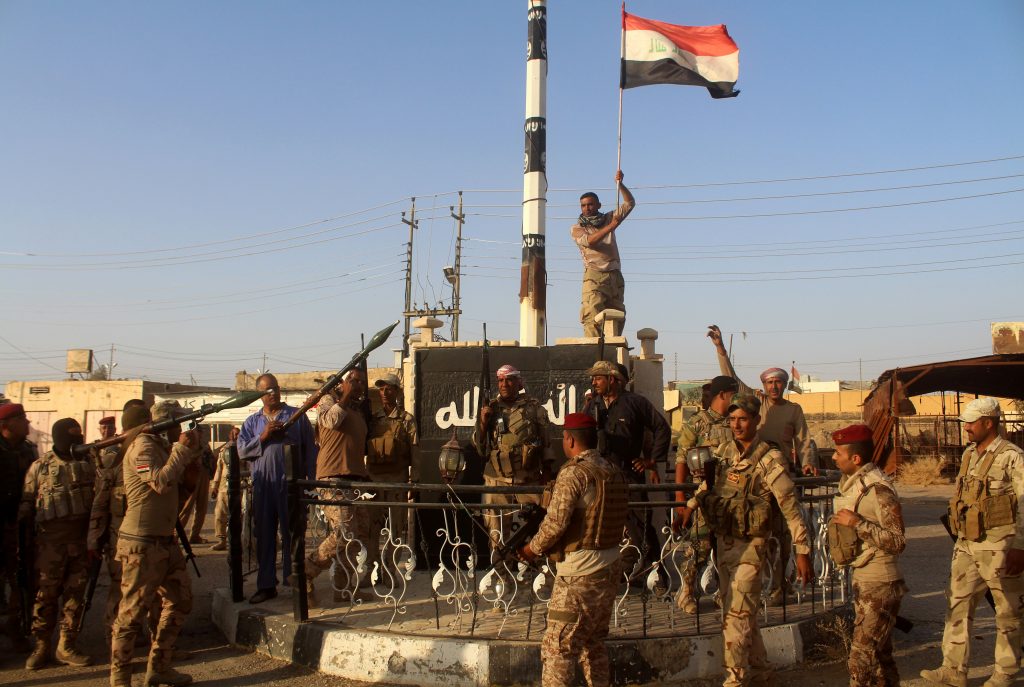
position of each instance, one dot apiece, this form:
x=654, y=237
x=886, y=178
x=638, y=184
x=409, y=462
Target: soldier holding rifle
x=581, y=532
x=986, y=515
x=512, y=436
x=17, y=453
x=57, y=498
x=262, y=440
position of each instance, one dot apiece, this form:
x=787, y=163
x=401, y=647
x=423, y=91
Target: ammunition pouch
x=843, y=543
x=65, y=490
x=732, y=511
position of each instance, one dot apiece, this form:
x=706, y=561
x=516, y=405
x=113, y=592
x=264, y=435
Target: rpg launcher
x=239, y=400
x=533, y=515
x=335, y=379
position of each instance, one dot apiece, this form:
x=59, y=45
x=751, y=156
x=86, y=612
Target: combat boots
x=946, y=676
x=999, y=679
x=40, y=655
x=68, y=654
x=163, y=674
x=121, y=676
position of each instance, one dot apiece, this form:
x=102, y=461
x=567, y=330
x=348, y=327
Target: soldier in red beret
x=581, y=533
x=17, y=453
x=866, y=533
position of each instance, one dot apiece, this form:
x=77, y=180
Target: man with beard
x=57, y=497
x=594, y=233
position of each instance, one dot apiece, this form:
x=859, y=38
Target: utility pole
x=408, y=275
x=533, y=276
x=110, y=365
x=460, y=218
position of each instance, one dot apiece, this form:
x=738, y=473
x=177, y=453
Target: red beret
x=9, y=410
x=579, y=421
x=108, y=420
x=851, y=434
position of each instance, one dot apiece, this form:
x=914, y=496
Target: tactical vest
x=974, y=509
x=115, y=478
x=519, y=444
x=599, y=524
x=389, y=444
x=845, y=547
x=65, y=488
x=733, y=509
x=711, y=433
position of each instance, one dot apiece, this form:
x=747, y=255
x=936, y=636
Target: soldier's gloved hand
x=1014, y=563
x=486, y=415
x=526, y=554
x=846, y=517
x=810, y=470
x=804, y=571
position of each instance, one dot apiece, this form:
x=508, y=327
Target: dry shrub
x=833, y=637
x=923, y=471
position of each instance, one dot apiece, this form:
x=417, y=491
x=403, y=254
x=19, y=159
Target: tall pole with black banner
x=533, y=275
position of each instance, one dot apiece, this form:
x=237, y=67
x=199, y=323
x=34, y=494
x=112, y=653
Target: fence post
x=297, y=526
x=234, y=523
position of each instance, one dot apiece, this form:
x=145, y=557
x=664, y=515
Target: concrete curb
x=370, y=656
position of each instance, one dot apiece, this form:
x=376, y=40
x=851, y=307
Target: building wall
x=84, y=400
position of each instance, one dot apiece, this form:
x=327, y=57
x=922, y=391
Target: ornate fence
x=433, y=555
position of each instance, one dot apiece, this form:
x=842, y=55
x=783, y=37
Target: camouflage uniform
x=517, y=446
x=219, y=488
x=588, y=577
x=389, y=454
x=986, y=532
x=603, y=285
x=198, y=500
x=58, y=493
x=878, y=587
x=342, y=431
x=757, y=476
x=14, y=464
x=149, y=555
x=108, y=508
x=704, y=428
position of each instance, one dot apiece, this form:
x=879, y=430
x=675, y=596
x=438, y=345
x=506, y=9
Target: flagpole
x=622, y=77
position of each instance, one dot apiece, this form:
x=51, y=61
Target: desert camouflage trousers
x=63, y=569
x=220, y=515
x=739, y=571
x=601, y=291
x=395, y=519
x=149, y=569
x=578, y=616
x=972, y=571
x=348, y=535
x=876, y=605
x=697, y=550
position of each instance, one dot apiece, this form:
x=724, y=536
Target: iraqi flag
x=656, y=52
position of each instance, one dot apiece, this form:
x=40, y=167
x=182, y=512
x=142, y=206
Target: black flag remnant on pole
x=660, y=53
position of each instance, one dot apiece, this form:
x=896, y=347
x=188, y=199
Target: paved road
x=213, y=661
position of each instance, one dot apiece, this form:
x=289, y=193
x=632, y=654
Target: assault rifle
x=484, y=397
x=95, y=566
x=24, y=576
x=375, y=341
x=533, y=516
x=183, y=540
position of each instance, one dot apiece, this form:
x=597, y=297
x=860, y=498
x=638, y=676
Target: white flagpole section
x=533, y=287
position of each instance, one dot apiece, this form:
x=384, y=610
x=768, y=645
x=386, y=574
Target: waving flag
x=659, y=53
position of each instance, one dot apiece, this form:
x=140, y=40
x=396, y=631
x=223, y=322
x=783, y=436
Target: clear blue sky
x=169, y=167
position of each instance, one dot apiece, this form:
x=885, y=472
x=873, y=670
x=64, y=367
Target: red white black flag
x=660, y=53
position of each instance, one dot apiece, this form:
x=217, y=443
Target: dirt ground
x=214, y=662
